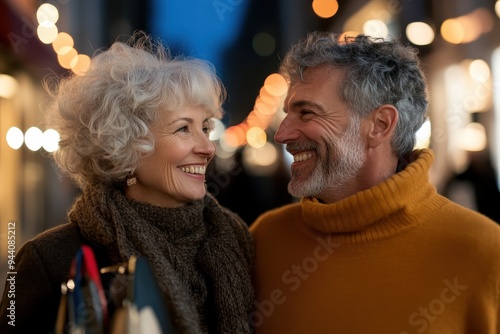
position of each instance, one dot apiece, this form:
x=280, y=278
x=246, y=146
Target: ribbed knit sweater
x=396, y=258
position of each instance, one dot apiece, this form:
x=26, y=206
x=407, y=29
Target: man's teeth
x=302, y=157
x=194, y=170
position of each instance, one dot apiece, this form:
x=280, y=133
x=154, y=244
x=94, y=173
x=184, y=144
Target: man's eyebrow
x=306, y=103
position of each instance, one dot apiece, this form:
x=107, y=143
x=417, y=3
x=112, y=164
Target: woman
x=134, y=137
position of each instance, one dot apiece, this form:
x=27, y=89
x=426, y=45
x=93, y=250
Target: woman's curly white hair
x=104, y=117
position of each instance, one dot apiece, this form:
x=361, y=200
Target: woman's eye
x=208, y=127
x=183, y=129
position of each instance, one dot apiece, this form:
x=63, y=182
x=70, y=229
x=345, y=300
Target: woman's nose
x=205, y=146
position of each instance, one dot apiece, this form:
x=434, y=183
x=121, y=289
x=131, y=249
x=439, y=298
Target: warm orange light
x=8, y=86
x=467, y=28
x=230, y=138
x=325, y=8
x=80, y=64
x=472, y=28
x=66, y=59
x=275, y=84
x=256, y=137
x=484, y=18
x=263, y=107
x=268, y=98
x=453, y=31
x=348, y=34
x=254, y=120
x=234, y=136
x=262, y=116
x=63, y=43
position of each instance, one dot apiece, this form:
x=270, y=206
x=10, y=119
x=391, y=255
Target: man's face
x=323, y=137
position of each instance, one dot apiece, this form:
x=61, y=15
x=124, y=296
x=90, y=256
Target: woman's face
x=174, y=173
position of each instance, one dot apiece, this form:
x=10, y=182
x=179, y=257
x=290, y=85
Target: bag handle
x=92, y=270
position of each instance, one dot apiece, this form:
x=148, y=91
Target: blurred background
x=458, y=41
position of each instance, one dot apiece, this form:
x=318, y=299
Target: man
x=371, y=247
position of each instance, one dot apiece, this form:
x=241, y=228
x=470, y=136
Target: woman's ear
x=381, y=125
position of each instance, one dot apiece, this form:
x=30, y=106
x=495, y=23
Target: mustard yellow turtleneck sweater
x=394, y=259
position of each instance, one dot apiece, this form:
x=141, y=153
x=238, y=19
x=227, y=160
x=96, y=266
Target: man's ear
x=381, y=125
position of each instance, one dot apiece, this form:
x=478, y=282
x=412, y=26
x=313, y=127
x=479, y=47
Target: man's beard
x=338, y=163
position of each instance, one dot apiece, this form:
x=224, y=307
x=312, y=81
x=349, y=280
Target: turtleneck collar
x=363, y=216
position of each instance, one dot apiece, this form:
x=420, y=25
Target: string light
x=62, y=43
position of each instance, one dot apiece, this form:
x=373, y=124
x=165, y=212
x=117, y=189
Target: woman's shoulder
x=53, y=247
x=57, y=238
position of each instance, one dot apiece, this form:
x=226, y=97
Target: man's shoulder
x=467, y=215
x=277, y=216
x=470, y=223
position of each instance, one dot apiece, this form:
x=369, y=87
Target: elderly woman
x=134, y=137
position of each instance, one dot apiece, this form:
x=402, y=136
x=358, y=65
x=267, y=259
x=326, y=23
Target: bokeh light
x=47, y=33
x=420, y=33
x=8, y=86
x=473, y=138
x=217, y=130
x=47, y=13
x=14, y=137
x=50, y=140
x=33, y=138
x=66, y=59
x=264, y=44
x=256, y=137
x=376, y=28
x=325, y=8
x=424, y=135
x=479, y=70
x=260, y=161
x=452, y=31
x=63, y=43
x=80, y=64
x=275, y=84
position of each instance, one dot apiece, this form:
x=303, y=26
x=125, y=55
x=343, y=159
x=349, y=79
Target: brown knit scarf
x=200, y=254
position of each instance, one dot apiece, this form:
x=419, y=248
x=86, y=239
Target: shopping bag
x=83, y=305
x=142, y=309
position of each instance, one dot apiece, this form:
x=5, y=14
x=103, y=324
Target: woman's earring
x=131, y=180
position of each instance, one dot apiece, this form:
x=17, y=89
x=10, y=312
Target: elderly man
x=370, y=247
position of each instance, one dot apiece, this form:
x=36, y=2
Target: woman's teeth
x=194, y=170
